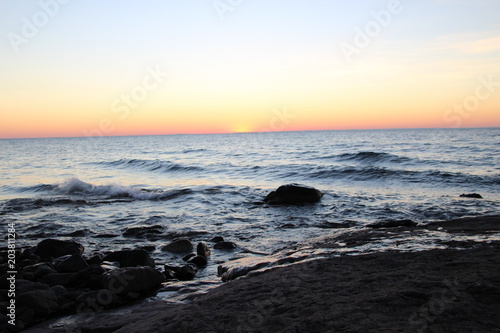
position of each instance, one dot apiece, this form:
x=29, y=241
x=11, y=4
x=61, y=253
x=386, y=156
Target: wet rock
x=131, y=258
x=26, y=262
x=106, y=236
x=149, y=248
x=43, y=270
x=110, y=265
x=186, y=273
x=188, y=256
x=53, y=248
x=70, y=263
x=169, y=275
x=333, y=225
x=143, y=231
x=96, y=259
x=132, y=279
x=199, y=261
x=24, y=286
x=179, y=246
x=225, y=246
x=59, y=290
x=53, y=279
x=42, y=302
x=170, y=267
x=217, y=239
x=471, y=195
x=203, y=250
x=67, y=301
x=392, y=224
x=89, y=278
x=292, y=194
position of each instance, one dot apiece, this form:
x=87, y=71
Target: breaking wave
x=75, y=186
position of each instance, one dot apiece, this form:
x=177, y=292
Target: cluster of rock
x=55, y=278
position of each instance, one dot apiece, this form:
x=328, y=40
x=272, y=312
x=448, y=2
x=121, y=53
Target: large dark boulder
x=132, y=279
x=54, y=248
x=131, y=258
x=293, y=194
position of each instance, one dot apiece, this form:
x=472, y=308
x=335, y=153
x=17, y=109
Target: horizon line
x=249, y=132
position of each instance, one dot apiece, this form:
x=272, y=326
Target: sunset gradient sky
x=90, y=68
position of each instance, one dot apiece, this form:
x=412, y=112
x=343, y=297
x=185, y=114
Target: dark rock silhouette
x=131, y=258
x=54, y=248
x=471, y=195
x=293, y=194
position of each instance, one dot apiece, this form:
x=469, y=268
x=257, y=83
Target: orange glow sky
x=94, y=68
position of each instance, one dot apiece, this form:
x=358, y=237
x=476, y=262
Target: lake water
x=199, y=186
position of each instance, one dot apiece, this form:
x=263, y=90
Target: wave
x=77, y=192
x=75, y=186
x=150, y=165
x=411, y=176
x=372, y=157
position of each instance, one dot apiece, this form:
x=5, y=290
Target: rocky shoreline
x=454, y=287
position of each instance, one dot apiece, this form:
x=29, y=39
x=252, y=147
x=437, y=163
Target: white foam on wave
x=75, y=186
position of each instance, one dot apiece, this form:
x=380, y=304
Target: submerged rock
x=131, y=258
x=54, y=248
x=225, y=245
x=217, y=239
x=142, y=231
x=392, y=224
x=471, y=195
x=293, y=194
x=179, y=246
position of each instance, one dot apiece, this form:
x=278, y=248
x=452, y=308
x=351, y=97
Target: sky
x=103, y=68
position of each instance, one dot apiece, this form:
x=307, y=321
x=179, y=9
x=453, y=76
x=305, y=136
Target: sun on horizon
x=181, y=67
